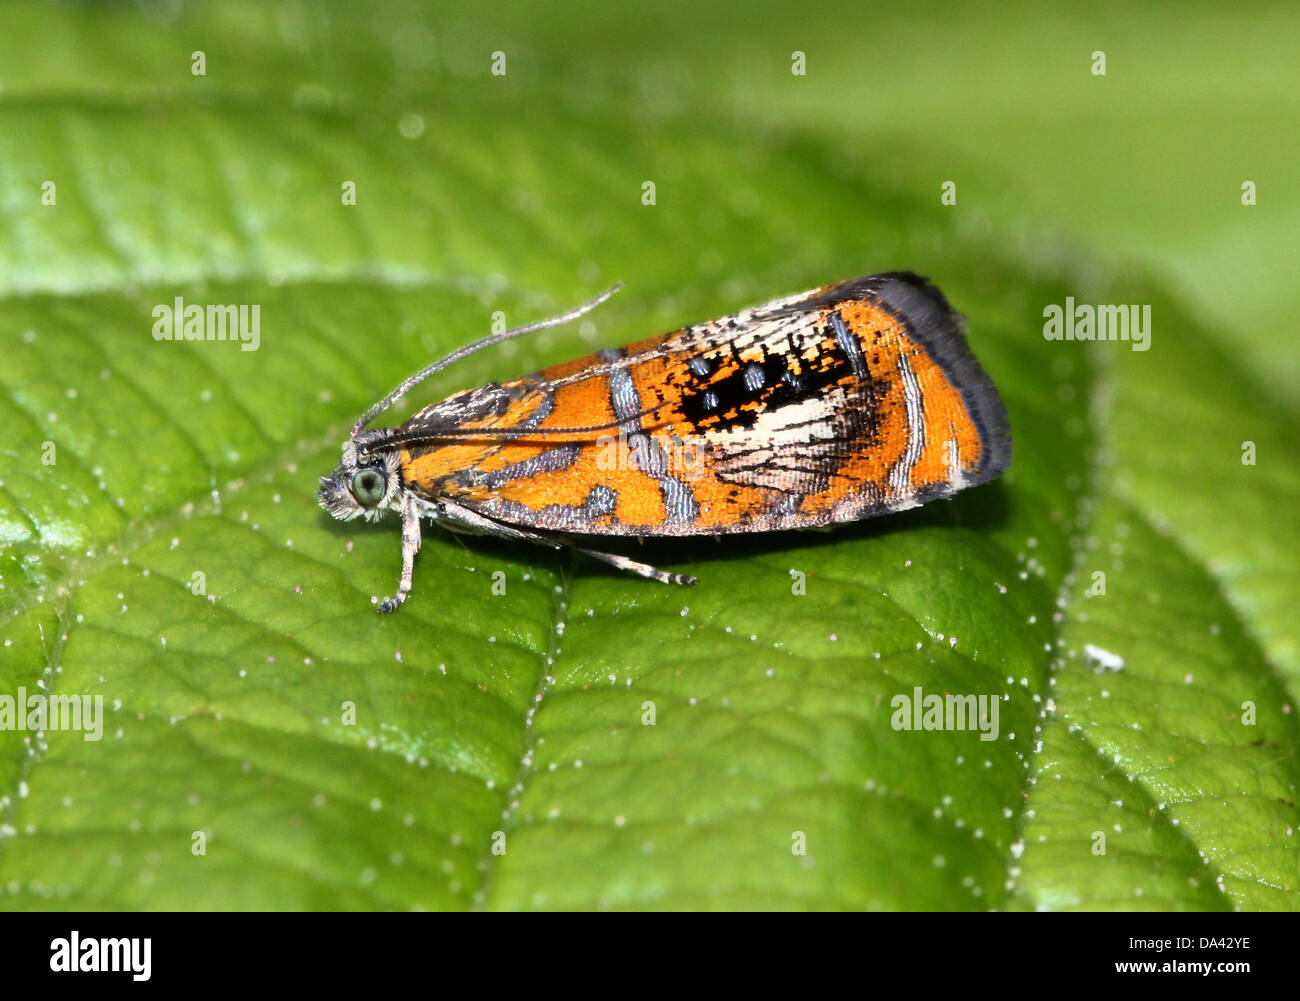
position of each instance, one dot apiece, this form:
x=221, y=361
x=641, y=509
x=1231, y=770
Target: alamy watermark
x=53, y=712
x=92, y=954
x=1085, y=322
x=176, y=321
x=919, y=711
x=661, y=454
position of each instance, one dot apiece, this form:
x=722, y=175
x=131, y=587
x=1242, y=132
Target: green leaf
x=521, y=721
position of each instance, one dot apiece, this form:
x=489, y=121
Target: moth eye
x=368, y=487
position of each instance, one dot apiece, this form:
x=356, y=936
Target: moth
x=849, y=401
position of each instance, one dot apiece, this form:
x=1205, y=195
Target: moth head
x=366, y=482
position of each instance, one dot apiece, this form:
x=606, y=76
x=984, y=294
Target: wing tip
x=941, y=330
x=933, y=323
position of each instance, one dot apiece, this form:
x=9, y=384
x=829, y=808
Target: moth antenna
x=469, y=349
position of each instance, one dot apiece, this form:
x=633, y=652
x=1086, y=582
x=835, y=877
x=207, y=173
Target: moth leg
x=410, y=546
x=641, y=569
x=477, y=523
x=461, y=520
